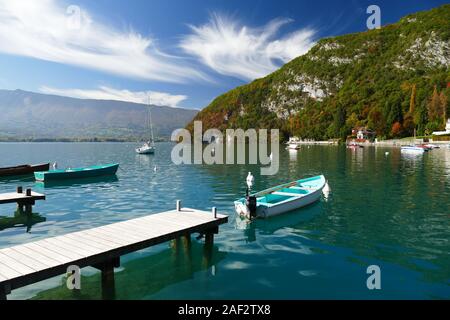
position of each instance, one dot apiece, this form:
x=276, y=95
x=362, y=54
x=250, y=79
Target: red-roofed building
x=362, y=134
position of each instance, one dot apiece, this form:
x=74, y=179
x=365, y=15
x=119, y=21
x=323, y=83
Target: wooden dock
x=101, y=247
x=25, y=201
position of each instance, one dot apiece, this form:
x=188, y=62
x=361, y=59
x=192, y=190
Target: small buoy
x=155, y=169
x=326, y=191
x=250, y=180
x=386, y=153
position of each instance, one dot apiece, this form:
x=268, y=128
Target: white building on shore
x=442, y=133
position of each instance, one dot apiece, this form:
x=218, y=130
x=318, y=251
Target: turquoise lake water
x=392, y=211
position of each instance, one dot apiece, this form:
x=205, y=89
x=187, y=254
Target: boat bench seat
x=288, y=194
x=303, y=188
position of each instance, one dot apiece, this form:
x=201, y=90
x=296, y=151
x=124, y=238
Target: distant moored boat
x=23, y=169
x=77, y=173
x=431, y=146
x=148, y=147
x=413, y=149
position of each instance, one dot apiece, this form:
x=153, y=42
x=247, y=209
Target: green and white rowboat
x=77, y=173
x=284, y=198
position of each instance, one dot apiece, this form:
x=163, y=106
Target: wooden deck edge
x=50, y=272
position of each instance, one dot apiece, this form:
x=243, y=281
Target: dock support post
x=19, y=189
x=20, y=208
x=186, y=241
x=209, y=239
x=28, y=209
x=108, y=282
x=187, y=251
x=4, y=291
x=209, y=236
x=28, y=205
x=209, y=244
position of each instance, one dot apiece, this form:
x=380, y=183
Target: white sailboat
x=149, y=146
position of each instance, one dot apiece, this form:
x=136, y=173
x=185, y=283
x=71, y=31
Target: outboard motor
x=251, y=205
x=250, y=201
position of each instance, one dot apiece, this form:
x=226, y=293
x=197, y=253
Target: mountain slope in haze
x=26, y=114
x=392, y=80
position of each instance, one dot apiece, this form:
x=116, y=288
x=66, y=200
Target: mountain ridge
x=47, y=116
x=360, y=79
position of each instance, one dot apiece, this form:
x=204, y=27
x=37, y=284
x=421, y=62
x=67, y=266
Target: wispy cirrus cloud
x=233, y=49
x=46, y=30
x=107, y=93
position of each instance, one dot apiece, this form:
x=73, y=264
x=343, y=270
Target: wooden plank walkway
x=25, y=201
x=100, y=247
x=14, y=197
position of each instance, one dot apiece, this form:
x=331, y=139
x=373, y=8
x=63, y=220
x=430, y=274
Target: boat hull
x=293, y=146
x=78, y=173
x=267, y=212
x=418, y=150
x=23, y=170
x=150, y=150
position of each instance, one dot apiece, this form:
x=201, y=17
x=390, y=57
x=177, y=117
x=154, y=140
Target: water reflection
x=293, y=154
x=386, y=210
x=20, y=220
x=17, y=179
x=140, y=278
x=271, y=225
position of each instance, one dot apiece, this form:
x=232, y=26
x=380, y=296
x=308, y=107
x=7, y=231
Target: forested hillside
x=391, y=80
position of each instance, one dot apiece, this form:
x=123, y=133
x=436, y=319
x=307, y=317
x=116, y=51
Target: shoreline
x=76, y=140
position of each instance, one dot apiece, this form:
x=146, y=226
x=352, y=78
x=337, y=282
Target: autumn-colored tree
x=412, y=101
x=444, y=105
x=409, y=122
x=376, y=121
x=396, y=129
x=408, y=125
x=434, y=106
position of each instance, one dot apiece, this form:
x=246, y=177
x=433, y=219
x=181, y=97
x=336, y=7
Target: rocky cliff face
x=363, y=79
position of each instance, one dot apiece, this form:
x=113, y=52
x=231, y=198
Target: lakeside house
x=362, y=135
x=443, y=133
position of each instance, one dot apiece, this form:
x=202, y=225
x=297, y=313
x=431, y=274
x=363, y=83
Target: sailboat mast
x=150, y=119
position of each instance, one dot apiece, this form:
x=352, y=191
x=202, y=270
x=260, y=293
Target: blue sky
x=177, y=52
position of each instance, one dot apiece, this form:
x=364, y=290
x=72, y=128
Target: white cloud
x=45, y=30
x=244, y=52
x=107, y=93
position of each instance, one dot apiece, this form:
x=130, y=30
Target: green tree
x=339, y=122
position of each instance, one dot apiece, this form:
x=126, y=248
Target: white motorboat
x=413, y=149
